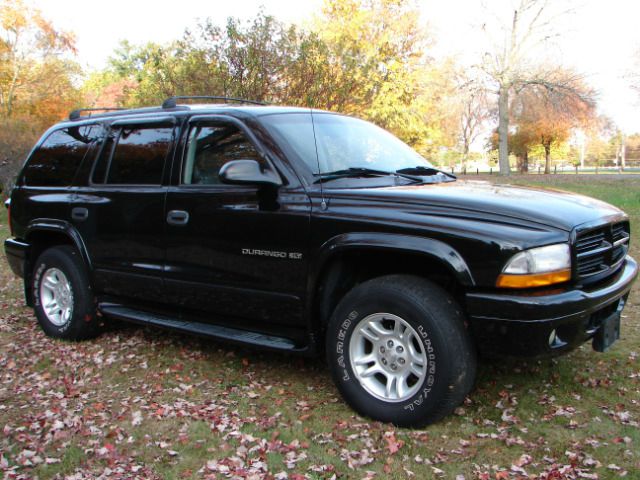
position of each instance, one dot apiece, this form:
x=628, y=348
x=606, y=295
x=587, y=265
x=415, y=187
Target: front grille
x=600, y=251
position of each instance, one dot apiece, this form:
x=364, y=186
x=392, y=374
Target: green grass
x=208, y=402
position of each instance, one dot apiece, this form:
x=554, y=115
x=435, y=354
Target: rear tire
x=63, y=301
x=399, y=352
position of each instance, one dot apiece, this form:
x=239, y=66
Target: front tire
x=63, y=301
x=399, y=352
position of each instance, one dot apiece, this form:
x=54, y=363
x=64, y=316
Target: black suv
x=303, y=231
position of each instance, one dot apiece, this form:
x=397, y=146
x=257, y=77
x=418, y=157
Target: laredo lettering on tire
x=63, y=301
x=399, y=352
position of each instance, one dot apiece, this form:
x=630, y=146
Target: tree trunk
x=525, y=162
x=465, y=154
x=503, y=130
x=547, y=158
x=623, y=154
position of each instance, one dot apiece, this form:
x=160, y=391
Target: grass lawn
x=144, y=403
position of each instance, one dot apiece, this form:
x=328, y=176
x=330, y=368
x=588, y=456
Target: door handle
x=177, y=217
x=79, y=214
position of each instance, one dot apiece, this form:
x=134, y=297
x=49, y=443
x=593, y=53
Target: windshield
x=342, y=143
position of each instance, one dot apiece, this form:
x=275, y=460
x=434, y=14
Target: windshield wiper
x=422, y=170
x=362, y=172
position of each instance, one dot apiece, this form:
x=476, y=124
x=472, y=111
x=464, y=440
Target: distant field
x=143, y=403
x=566, y=171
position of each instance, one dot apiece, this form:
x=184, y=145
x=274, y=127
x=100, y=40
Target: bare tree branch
x=531, y=25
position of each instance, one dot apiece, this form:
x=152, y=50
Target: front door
x=234, y=253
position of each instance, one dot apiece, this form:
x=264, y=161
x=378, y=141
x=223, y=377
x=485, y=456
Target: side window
x=55, y=163
x=210, y=147
x=139, y=155
x=102, y=163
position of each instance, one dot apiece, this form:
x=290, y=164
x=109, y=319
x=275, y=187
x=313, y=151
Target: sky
x=597, y=37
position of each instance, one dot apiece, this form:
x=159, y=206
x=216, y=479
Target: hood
x=553, y=208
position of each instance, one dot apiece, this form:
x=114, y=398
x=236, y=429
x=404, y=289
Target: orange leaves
x=13, y=15
x=393, y=445
x=40, y=83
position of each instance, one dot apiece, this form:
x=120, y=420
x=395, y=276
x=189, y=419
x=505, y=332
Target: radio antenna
x=323, y=203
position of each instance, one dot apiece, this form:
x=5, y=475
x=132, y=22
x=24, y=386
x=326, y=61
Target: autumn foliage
x=546, y=116
x=37, y=80
x=370, y=58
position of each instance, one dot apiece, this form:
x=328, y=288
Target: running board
x=228, y=334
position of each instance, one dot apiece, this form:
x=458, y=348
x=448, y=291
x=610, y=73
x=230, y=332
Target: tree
x=252, y=60
x=29, y=50
x=474, y=109
x=633, y=147
x=361, y=57
x=378, y=68
x=619, y=142
x=530, y=25
x=520, y=144
x=37, y=81
x=245, y=59
x=546, y=114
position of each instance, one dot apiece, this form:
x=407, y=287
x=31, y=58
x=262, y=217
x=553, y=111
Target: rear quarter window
x=56, y=161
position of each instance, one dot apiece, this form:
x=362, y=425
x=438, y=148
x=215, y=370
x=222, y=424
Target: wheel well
x=39, y=241
x=347, y=270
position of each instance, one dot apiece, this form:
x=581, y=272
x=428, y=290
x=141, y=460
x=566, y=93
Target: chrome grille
x=600, y=251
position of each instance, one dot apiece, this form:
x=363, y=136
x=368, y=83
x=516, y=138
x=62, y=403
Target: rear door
x=120, y=213
x=234, y=251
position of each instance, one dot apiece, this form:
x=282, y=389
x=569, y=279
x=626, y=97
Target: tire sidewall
x=418, y=408
x=61, y=259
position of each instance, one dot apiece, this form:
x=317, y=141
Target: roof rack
x=171, y=102
x=76, y=114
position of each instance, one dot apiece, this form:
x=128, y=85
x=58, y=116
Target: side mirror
x=248, y=172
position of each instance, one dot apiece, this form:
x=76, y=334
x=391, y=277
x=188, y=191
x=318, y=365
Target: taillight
x=7, y=204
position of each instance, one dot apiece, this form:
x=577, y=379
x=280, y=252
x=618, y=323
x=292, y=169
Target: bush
x=17, y=137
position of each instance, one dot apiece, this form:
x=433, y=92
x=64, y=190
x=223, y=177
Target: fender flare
x=428, y=247
x=65, y=228
x=390, y=242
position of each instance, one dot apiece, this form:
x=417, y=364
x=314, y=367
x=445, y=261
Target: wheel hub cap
x=388, y=357
x=393, y=356
x=56, y=296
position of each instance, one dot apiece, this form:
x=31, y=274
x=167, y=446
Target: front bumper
x=520, y=324
x=16, y=252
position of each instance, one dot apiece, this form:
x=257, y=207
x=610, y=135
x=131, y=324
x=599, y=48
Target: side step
x=228, y=334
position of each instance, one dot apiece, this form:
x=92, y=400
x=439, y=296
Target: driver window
x=210, y=146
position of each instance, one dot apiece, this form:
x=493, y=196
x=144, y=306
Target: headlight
x=537, y=267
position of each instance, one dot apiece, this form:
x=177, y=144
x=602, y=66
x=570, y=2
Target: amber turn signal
x=533, y=280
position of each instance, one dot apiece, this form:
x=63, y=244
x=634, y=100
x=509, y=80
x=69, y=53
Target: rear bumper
x=521, y=324
x=16, y=252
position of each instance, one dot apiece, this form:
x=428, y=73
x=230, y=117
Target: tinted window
x=100, y=170
x=294, y=133
x=210, y=147
x=55, y=163
x=342, y=142
x=139, y=155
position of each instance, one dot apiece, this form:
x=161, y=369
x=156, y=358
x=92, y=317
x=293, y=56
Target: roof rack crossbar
x=76, y=114
x=171, y=102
